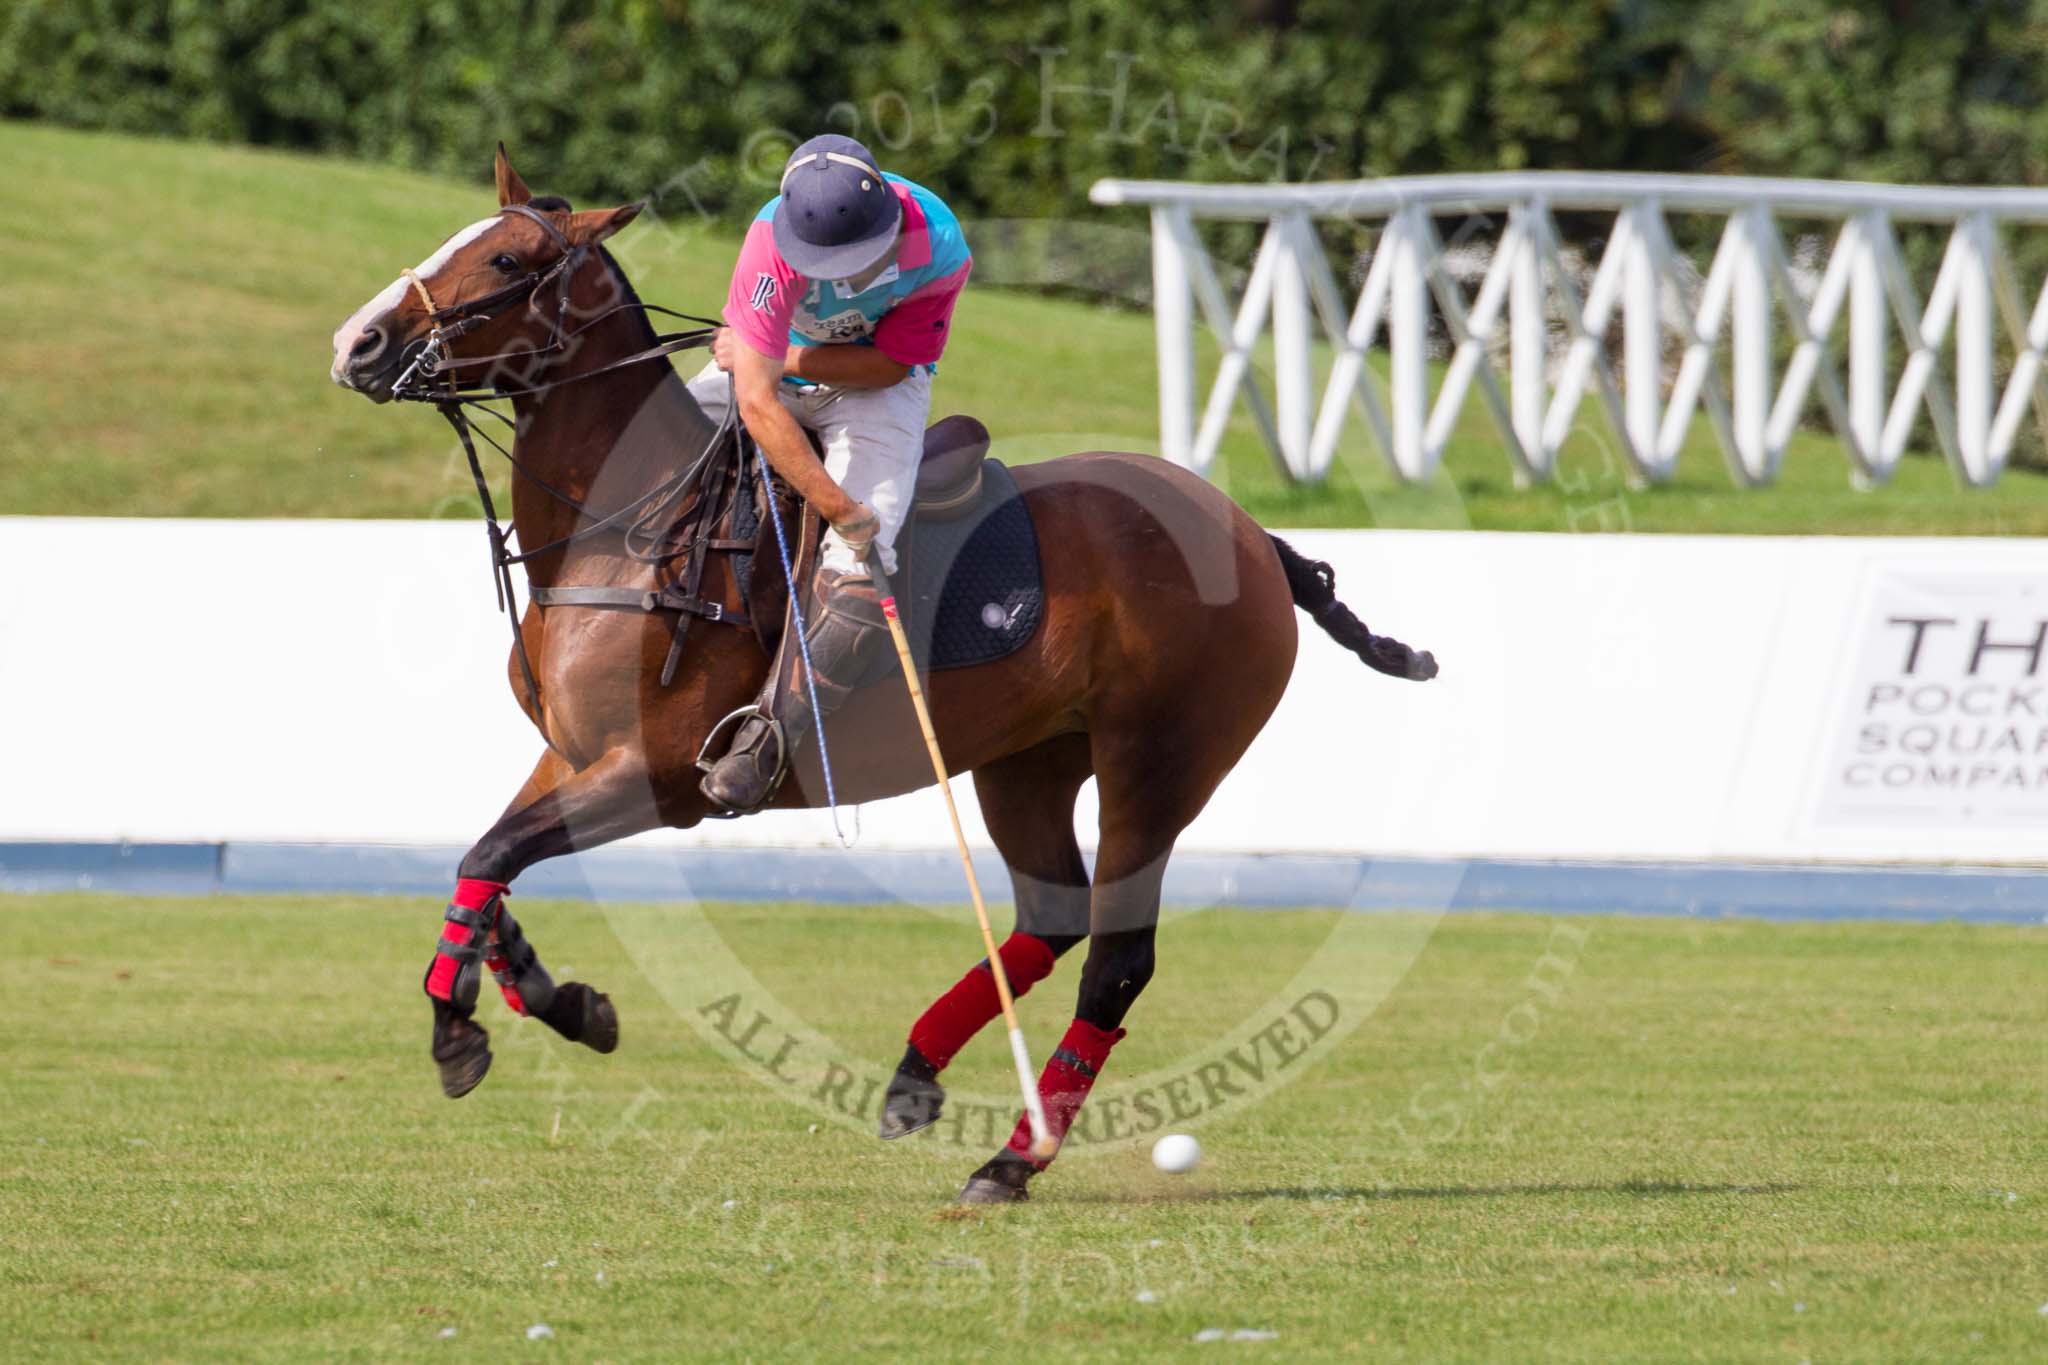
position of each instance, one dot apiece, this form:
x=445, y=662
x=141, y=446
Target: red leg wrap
x=961, y=1012
x=445, y=975
x=525, y=984
x=1065, y=1082
x=473, y=893
x=501, y=971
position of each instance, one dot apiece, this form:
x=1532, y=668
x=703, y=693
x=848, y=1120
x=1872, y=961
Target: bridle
x=650, y=523
x=455, y=321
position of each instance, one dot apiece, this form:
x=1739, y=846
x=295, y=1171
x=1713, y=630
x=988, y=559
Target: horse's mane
x=555, y=203
x=637, y=312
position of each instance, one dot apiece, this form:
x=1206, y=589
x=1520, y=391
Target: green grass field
x=170, y=309
x=220, y=1138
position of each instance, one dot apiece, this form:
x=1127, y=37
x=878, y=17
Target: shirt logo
x=764, y=292
x=848, y=324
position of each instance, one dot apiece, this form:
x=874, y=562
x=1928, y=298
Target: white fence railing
x=1528, y=287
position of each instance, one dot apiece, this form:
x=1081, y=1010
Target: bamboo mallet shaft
x=1043, y=1144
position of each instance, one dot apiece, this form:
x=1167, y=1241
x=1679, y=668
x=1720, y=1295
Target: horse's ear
x=594, y=225
x=511, y=189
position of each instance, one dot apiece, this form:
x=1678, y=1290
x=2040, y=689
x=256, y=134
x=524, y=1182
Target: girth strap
x=639, y=599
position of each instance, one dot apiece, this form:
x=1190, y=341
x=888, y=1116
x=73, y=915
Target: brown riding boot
x=849, y=648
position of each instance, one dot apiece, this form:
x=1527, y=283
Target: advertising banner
x=1941, y=719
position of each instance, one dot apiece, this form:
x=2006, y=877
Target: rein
x=649, y=522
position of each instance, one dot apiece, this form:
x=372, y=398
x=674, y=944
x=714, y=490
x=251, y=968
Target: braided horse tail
x=1314, y=585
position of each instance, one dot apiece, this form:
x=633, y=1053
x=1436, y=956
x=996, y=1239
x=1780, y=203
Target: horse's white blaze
x=425, y=269
x=388, y=298
x=346, y=335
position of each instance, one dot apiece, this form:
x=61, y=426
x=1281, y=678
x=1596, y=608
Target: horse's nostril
x=369, y=343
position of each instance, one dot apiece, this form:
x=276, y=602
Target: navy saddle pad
x=973, y=592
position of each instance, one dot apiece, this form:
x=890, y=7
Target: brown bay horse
x=1168, y=639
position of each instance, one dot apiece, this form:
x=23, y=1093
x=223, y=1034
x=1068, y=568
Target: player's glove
x=859, y=530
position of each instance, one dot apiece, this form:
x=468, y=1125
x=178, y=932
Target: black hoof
x=914, y=1099
x=462, y=1050
x=601, y=1032
x=1001, y=1181
x=583, y=1014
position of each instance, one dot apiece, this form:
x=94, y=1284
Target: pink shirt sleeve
x=764, y=293
x=914, y=331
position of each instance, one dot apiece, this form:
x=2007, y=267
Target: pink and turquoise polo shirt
x=907, y=311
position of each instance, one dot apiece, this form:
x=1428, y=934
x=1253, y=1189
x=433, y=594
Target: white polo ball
x=1176, y=1153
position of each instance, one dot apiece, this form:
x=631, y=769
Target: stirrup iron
x=719, y=739
x=718, y=743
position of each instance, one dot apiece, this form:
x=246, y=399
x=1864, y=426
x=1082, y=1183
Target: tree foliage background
x=1014, y=111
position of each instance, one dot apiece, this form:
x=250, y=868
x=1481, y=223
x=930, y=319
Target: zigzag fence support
x=1501, y=337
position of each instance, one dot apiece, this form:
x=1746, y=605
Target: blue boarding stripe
x=147, y=869
x=932, y=877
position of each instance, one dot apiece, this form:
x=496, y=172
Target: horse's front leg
x=557, y=811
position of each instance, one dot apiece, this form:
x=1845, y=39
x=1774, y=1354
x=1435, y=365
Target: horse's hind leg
x=1154, y=778
x=558, y=810
x=1027, y=800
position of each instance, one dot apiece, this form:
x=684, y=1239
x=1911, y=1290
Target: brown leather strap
x=547, y=224
x=640, y=599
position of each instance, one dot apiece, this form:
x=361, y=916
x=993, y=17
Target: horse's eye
x=506, y=264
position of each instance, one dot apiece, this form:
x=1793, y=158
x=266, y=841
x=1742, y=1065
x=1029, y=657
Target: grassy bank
x=168, y=341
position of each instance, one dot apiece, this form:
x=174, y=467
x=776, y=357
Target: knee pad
x=846, y=634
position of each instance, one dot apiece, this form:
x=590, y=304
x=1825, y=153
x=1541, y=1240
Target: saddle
x=968, y=584
x=968, y=587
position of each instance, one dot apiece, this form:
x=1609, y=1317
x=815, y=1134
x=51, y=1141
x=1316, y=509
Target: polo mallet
x=1043, y=1143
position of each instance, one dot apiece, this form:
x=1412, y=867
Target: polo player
x=839, y=309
